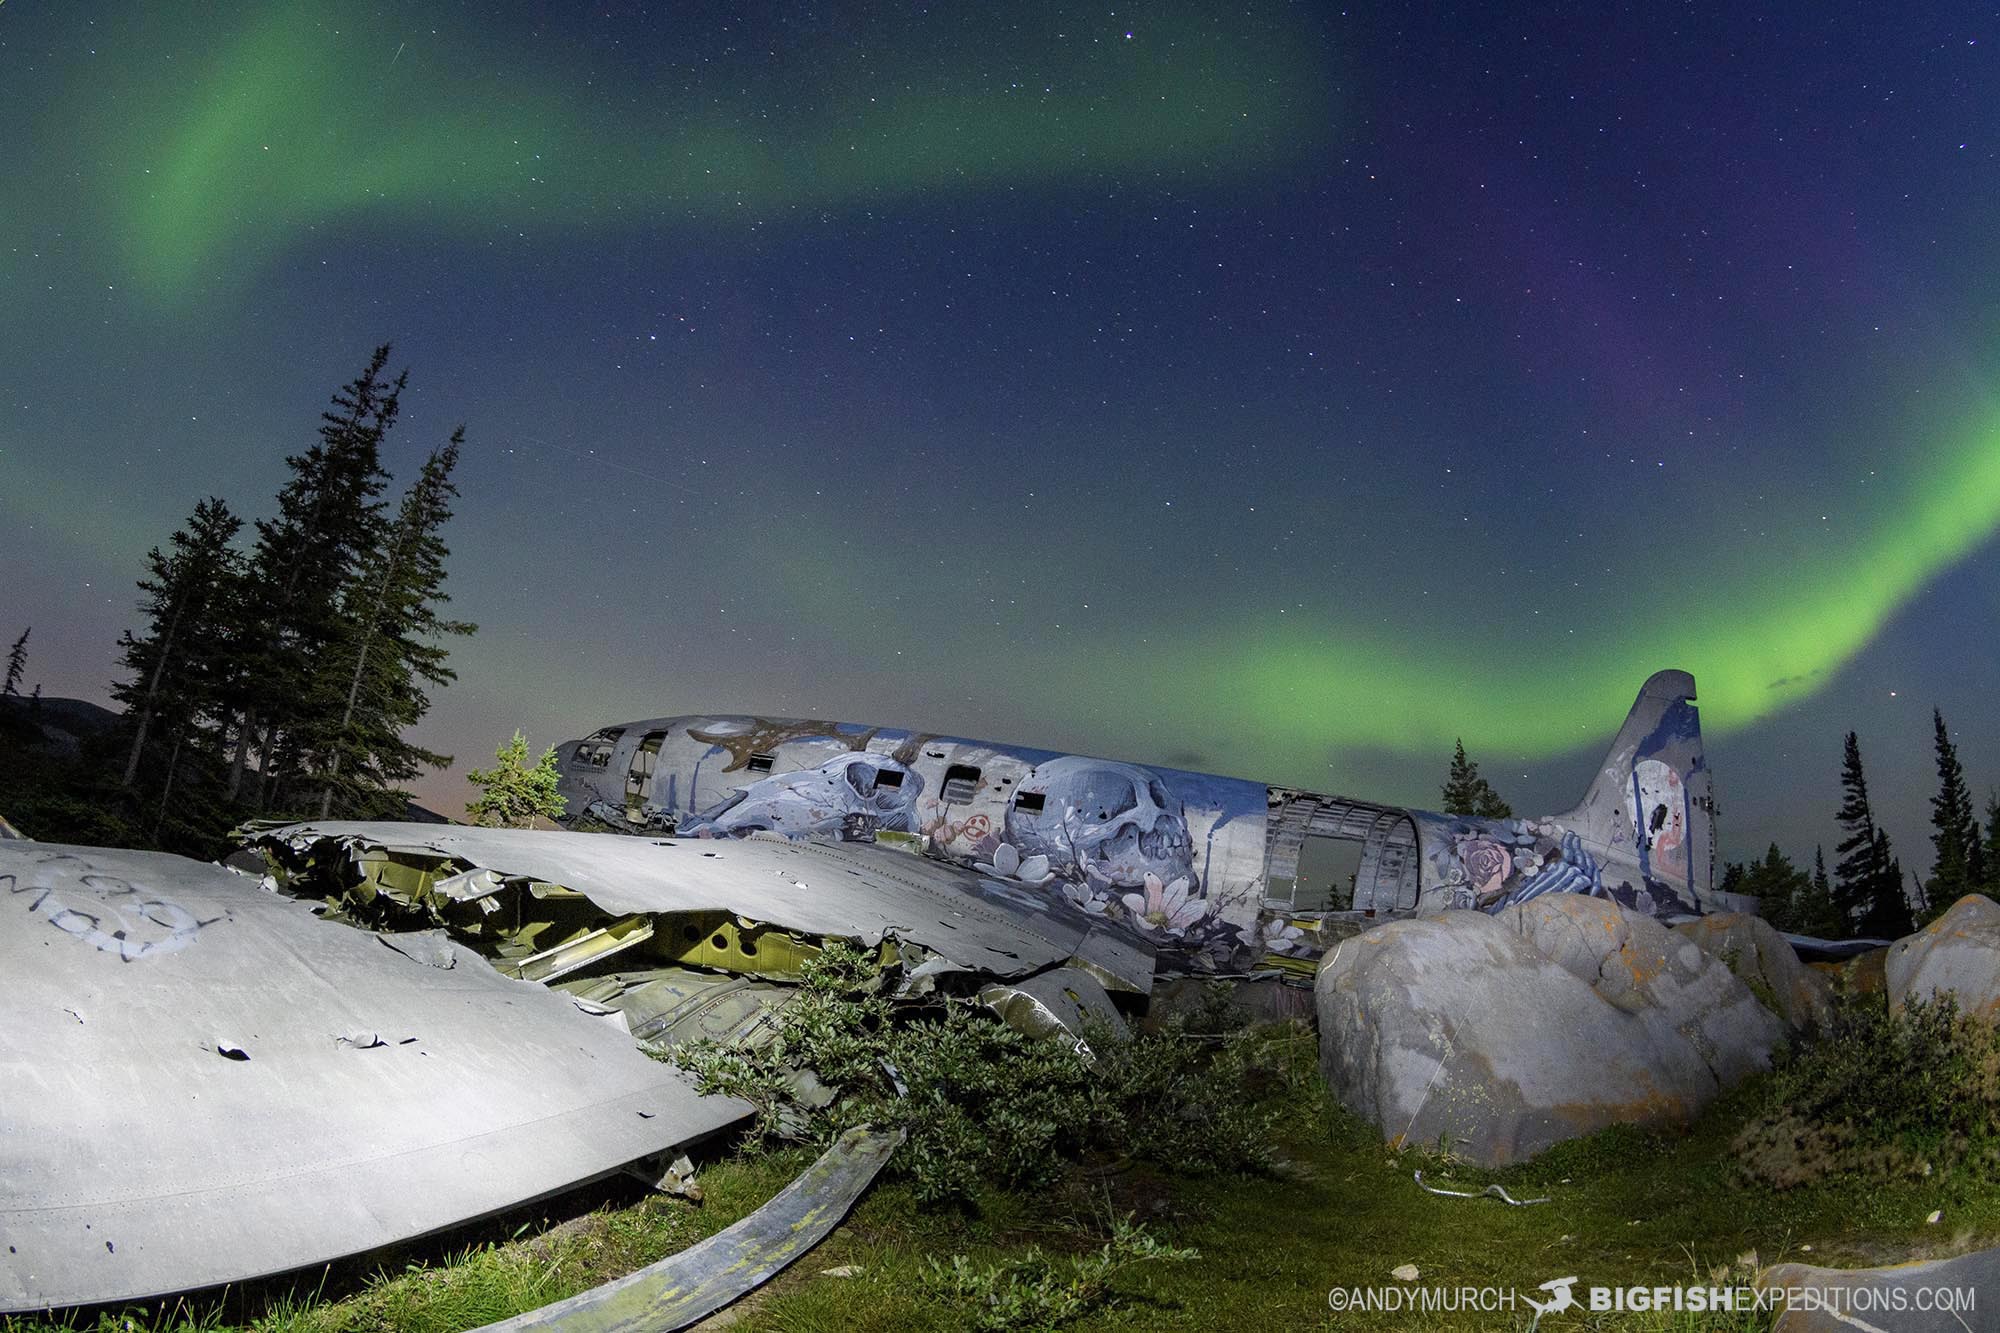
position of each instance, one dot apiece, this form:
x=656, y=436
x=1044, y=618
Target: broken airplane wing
x=202, y=1082
x=659, y=895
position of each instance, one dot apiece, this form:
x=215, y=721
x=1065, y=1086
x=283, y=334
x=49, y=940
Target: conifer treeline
x=281, y=679
x=1867, y=893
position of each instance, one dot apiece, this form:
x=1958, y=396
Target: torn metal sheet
x=1812, y=949
x=693, y=1284
x=1061, y=1000
x=846, y=891
x=672, y=1005
x=258, y=1090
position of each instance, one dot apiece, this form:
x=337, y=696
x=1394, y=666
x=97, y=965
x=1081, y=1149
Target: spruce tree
x=1818, y=915
x=1466, y=793
x=328, y=524
x=1991, y=854
x=1782, y=889
x=1888, y=913
x=17, y=662
x=512, y=794
x=179, y=666
x=1960, y=865
x=1863, y=863
x=391, y=651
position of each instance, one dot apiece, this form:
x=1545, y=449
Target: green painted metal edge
x=684, y=1288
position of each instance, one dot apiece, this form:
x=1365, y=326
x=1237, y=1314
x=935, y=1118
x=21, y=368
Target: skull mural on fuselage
x=1102, y=822
x=851, y=794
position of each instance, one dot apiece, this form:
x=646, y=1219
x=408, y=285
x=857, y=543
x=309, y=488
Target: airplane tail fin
x=1650, y=806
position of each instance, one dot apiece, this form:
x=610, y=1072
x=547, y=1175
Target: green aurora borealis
x=1284, y=392
x=298, y=123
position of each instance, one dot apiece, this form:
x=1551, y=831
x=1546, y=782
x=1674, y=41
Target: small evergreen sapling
x=512, y=792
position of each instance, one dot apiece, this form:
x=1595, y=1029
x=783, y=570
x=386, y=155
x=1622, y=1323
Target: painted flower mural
x=1287, y=938
x=1493, y=863
x=1168, y=909
x=1008, y=863
x=1487, y=866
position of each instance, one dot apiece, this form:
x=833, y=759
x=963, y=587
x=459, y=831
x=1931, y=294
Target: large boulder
x=1930, y=1296
x=1498, y=1036
x=1752, y=948
x=1960, y=951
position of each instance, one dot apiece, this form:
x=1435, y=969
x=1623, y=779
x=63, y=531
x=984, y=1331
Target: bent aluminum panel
x=1061, y=1000
x=693, y=1284
x=202, y=1082
x=846, y=891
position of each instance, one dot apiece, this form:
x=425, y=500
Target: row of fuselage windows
x=961, y=781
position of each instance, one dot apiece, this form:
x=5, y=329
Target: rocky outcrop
x=1751, y=948
x=1958, y=952
x=1860, y=975
x=1498, y=1036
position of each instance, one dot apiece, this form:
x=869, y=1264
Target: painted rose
x=1487, y=865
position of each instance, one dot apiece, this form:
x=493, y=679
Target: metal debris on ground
x=1495, y=1191
x=684, y=1288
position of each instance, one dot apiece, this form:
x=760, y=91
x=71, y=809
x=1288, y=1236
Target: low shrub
x=981, y=1103
x=1881, y=1095
x=1037, y=1293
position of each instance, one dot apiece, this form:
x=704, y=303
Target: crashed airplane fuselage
x=1224, y=875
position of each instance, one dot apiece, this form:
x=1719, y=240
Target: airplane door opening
x=1325, y=878
x=639, y=777
x=1330, y=854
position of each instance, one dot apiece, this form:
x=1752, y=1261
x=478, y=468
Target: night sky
x=1274, y=390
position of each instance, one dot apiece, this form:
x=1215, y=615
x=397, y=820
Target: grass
x=1627, y=1207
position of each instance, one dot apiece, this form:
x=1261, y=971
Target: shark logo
x=1559, y=1300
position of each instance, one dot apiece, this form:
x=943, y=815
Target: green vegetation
x=513, y=793
x=1035, y=1293
x=983, y=1104
x=1882, y=1095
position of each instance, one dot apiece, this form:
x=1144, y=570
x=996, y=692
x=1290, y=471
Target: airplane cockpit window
x=761, y=763
x=595, y=751
x=1030, y=802
x=889, y=777
x=960, y=782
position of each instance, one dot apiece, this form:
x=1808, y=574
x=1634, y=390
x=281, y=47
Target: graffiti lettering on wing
x=108, y=913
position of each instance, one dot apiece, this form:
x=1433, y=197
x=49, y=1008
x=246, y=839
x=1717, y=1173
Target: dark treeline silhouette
x=1867, y=894
x=268, y=680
